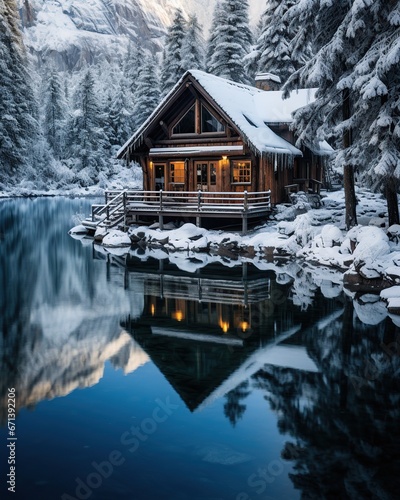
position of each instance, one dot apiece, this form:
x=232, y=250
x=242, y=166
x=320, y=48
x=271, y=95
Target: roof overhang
x=196, y=151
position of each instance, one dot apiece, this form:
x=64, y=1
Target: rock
x=331, y=236
x=356, y=283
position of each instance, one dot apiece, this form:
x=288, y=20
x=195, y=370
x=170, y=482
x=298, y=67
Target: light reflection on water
x=226, y=382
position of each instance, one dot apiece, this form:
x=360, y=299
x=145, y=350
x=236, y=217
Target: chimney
x=268, y=81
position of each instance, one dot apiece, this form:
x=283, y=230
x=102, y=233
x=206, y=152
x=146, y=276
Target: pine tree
x=322, y=26
x=356, y=69
x=147, y=95
x=86, y=135
x=217, y=20
x=118, y=129
x=231, y=41
x=375, y=84
x=172, y=68
x=133, y=66
x=55, y=114
x=193, y=46
x=19, y=128
x=273, y=48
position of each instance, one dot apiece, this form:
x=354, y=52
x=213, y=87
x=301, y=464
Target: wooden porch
x=123, y=208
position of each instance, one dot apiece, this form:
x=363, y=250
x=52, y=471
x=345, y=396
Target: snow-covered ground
x=123, y=177
x=307, y=246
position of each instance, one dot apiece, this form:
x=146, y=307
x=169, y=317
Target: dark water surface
x=147, y=378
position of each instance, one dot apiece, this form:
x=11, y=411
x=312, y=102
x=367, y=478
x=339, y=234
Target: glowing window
x=241, y=172
x=177, y=172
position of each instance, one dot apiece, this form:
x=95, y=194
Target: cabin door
x=159, y=176
x=206, y=172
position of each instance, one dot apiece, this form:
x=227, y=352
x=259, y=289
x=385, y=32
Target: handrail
x=105, y=208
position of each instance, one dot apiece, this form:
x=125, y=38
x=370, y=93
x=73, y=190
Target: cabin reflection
x=211, y=330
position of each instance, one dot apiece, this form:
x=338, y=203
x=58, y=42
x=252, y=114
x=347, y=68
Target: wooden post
x=244, y=223
x=198, y=218
x=124, y=205
x=160, y=214
x=244, y=216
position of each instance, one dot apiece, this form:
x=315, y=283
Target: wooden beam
x=200, y=140
x=192, y=89
x=148, y=142
x=164, y=127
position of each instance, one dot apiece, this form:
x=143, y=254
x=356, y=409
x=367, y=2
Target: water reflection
x=219, y=333
x=60, y=312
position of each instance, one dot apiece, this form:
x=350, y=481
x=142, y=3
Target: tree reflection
x=233, y=407
x=342, y=422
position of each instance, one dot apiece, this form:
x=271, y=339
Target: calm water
x=145, y=378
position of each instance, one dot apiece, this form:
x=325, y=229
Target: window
x=186, y=124
x=241, y=172
x=209, y=123
x=198, y=120
x=177, y=172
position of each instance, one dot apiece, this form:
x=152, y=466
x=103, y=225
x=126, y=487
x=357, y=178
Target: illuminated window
x=186, y=124
x=177, y=172
x=209, y=123
x=241, y=172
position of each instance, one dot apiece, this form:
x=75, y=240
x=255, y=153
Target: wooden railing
x=120, y=206
x=197, y=201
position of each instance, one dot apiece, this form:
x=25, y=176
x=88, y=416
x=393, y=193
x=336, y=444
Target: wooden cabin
x=214, y=135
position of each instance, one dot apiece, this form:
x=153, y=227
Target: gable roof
x=251, y=110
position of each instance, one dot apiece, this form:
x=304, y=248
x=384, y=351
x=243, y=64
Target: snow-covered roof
x=250, y=109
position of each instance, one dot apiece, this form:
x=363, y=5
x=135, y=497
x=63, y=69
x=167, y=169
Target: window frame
x=198, y=105
x=247, y=165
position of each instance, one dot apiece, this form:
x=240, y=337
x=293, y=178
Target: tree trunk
x=349, y=196
x=392, y=201
x=348, y=171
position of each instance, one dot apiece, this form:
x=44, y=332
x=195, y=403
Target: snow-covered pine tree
x=217, y=20
x=19, y=127
x=132, y=65
x=87, y=138
x=193, y=52
x=172, y=69
x=147, y=95
x=231, y=40
x=273, y=47
x=375, y=85
x=118, y=129
x=355, y=66
x=323, y=26
x=55, y=114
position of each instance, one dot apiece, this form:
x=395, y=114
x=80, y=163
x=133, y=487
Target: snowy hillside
x=75, y=32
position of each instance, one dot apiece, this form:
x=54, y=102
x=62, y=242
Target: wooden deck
x=122, y=208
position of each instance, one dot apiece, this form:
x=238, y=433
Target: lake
x=153, y=376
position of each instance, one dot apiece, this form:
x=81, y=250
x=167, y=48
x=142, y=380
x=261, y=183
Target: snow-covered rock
x=331, y=235
x=79, y=229
x=116, y=238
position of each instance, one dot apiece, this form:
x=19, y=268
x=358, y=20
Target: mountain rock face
x=73, y=33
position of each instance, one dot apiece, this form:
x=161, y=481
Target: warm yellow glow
x=244, y=326
x=224, y=158
x=151, y=164
x=178, y=315
x=224, y=325
x=153, y=309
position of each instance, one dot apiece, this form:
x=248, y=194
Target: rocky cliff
x=74, y=33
